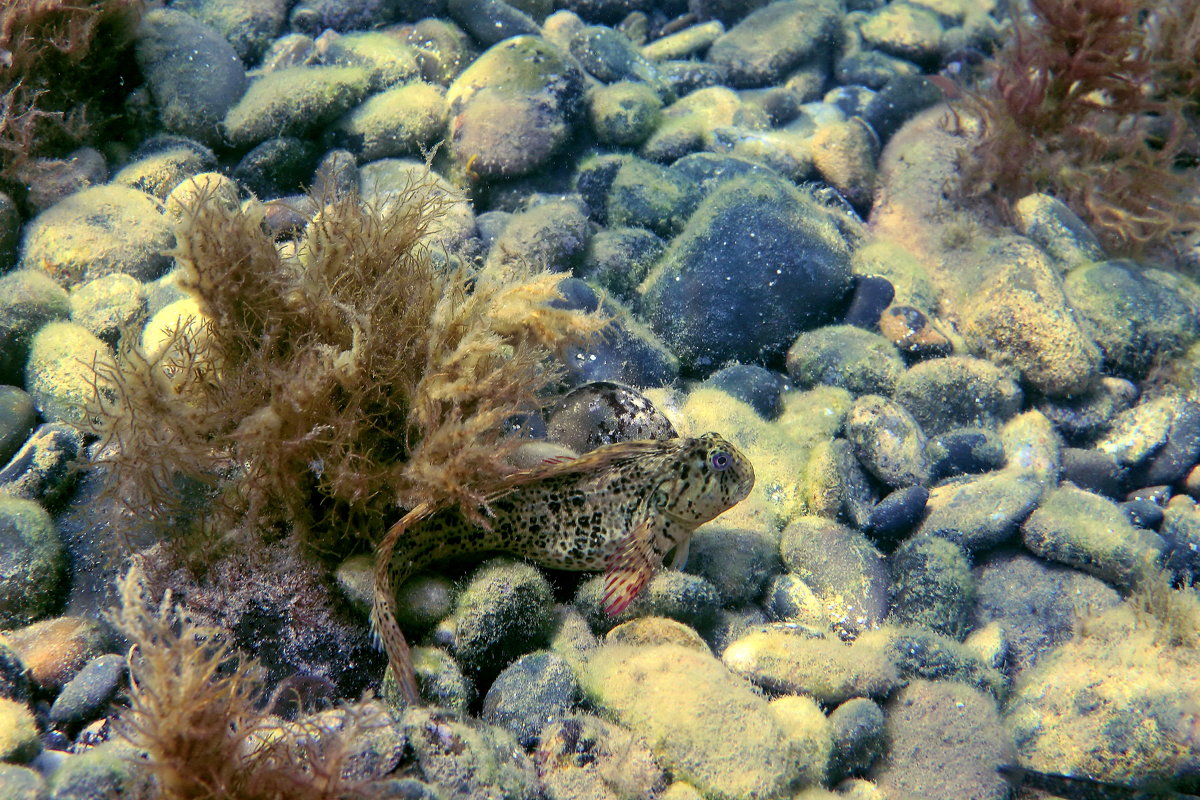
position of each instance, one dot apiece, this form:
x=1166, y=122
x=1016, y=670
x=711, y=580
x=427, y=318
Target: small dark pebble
x=302, y=693
x=534, y=690
x=758, y=386
x=1093, y=470
x=900, y=100
x=42, y=469
x=1143, y=513
x=896, y=515
x=1178, y=455
x=56, y=740
x=336, y=175
x=1181, y=531
x=872, y=295
x=85, y=696
x=14, y=678
x=964, y=451
x=858, y=737
x=17, y=419
x=491, y=21
x=1081, y=419
x=602, y=413
x=276, y=167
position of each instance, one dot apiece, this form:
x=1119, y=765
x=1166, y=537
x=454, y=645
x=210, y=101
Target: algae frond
x=328, y=381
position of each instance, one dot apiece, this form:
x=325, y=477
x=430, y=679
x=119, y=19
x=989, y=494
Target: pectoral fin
x=630, y=568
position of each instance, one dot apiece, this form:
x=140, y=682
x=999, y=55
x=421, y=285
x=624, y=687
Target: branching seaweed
x=326, y=387
x=196, y=709
x=1094, y=102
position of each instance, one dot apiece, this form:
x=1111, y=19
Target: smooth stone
x=981, y=512
x=738, y=562
x=841, y=567
x=645, y=195
x=835, y=485
x=491, y=21
x=108, y=305
x=1090, y=533
x=315, y=16
x=752, y=384
x=18, y=416
x=618, y=259
x=54, y=650
x=1080, y=420
x=1138, y=433
x=1093, y=471
x=19, y=741
x=87, y=694
x=250, y=26
x=676, y=595
x=19, y=782
x=586, y=757
x=872, y=294
x=96, y=232
x=43, y=469
x=31, y=563
x=684, y=703
x=504, y=612
x=536, y=689
x=857, y=726
x=847, y=356
x=957, y=392
x=277, y=166
x=59, y=374
x=551, y=234
x=775, y=40
x=887, y=441
x=1055, y=228
x=401, y=121
x=918, y=652
x=654, y=631
x=604, y=412
x=1032, y=445
x=193, y=73
x=932, y=585
x=28, y=300
x=388, y=59
x=894, y=517
x=964, y=451
x=905, y=30
x=293, y=102
x=14, y=677
x=900, y=99
x=624, y=113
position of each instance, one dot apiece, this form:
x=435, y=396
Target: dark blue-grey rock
x=1079, y=420
x=31, y=563
x=776, y=40
x=14, y=677
x=603, y=412
x=676, y=595
x=1181, y=531
x=964, y=451
x=505, y=611
x=17, y=418
x=626, y=351
x=44, y=468
x=870, y=69
x=1055, y=228
x=10, y=232
x=536, y=689
x=617, y=259
x=193, y=72
x=1038, y=605
x=609, y=56
x=896, y=515
x=899, y=101
x=248, y=25
x=738, y=562
x=1178, y=454
x=932, y=585
x=1142, y=512
x=872, y=294
x=86, y=696
x=1093, y=470
x=750, y=383
x=857, y=726
x=280, y=165
x=646, y=195
x=957, y=392
x=552, y=233
x=491, y=21
x=758, y=262
x=314, y=16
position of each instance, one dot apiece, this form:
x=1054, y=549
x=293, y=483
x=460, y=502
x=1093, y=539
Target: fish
x=1072, y=787
x=621, y=508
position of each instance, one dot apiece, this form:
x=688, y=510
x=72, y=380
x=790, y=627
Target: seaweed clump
x=197, y=712
x=1094, y=102
x=326, y=381
x=60, y=64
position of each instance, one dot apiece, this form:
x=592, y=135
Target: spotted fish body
x=620, y=508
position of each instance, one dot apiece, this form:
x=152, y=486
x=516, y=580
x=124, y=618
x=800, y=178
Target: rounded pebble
x=44, y=469
x=603, y=412
x=88, y=693
x=59, y=375
x=504, y=611
x=31, y=562
x=17, y=419
x=845, y=356
x=888, y=441
x=932, y=586
x=536, y=689
x=957, y=392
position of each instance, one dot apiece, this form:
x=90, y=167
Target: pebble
x=19, y=741
x=401, y=121
x=193, y=72
x=504, y=611
x=466, y=761
x=957, y=392
x=551, y=234
x=491, y=21
x=28, y=300
x=1039, y=605
x=898, y=101
x=276, y=167
x=788, y=662
x=872, y=294
x=759, y=387
x=108, y=770
x=857, y=726
x=843, y=153
x=249, y=26
x=617, y=259
x=1178, y=454
x=54, y=650
x=1079, y=420
x=919, y=652
x=904, y=30
x=18, y=782
x=87, y=694
x=388, y=60
x=1093, y=471
x=1057, y=230
x=60, y=177
x=683, y=703
x=810, y=736
x=691, y=40
x=1136, y=315
x=887, y=441
x=32, y=565
x=676, y=595
x=59, y=374
x=1138, y=433
x=164, y=165
x=656, y=630
x=17, y=420
x=737, y=562
x=293, y=102
x=645, y=195
x=1180, y=529
x=836, y=485
x=314, y=16
x=945, y=741
x=932, y=585
x=845, y=356
x=44, y=469
x=603, y=412
x=108, y=305
x=981, y=512
x=96, y=232
x=584, y=757
x=964, y=451
x=535, y=690
x=441, y=681
x=894, y=516
x=776, y=40
x=1143, y=513
x=1032, y=445
x=845, y=572
x=14, y=678
x=694, y=121
x=1090, y=533
x=609, y=56
x=913, y=334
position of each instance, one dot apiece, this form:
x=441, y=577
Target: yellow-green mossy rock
x=19, y=740
x=293, y=101
x=58, y=374
x=810, y=734
x=704, y=725
x=98, y=231
x=786, y=661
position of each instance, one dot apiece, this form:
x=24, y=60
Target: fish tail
x=383, y=608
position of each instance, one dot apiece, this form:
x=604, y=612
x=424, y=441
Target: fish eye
x=719, y=460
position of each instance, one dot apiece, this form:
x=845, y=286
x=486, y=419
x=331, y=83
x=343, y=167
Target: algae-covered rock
x=106, y=772
x=845, y=356
x=1032, y=445
x=758, y=250
x=670, y=593
x=888, y=441
x=469, y=761
x=19, y=740
x=981, y=512
x=59, y=375
x=736, y=561
x=506, y=610
x=844, y=154
x=650, y=196
x=685, y=705
x=845, y=572
x=31, y=562
x=932, y=585
x=98, y=231
x=584, y=757
x=656, y=630
x=1091, y=533
x=18, y=417
x=22, y=783
x=837, y=486
x=1021, y=318
x=809, y=735
x=536, y=689
x=54, y=650
x=957, y=392
x=829, y=670
x=945, y=741
x=1057, y=230
x=440, y=679
x=108, y=305
x=396, y=122
x=624, y=113
x=28, y=300
x=918, y=652
x=388, y=59
x=857, y=728
x=248, y=25
x=775, y=40
x=293, y=101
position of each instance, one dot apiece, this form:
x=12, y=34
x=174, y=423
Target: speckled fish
x=620, y=508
